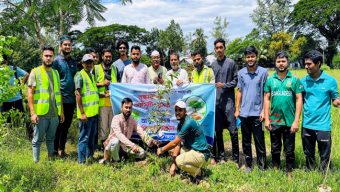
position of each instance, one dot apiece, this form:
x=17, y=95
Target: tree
x=319, y=16
x=219, y=29
x=199, y=43
x=40, y=18
x=171, y=39
x=285, y=42
x=272, y=16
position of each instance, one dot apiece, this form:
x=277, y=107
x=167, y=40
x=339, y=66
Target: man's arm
x=237, y=103
x=233, y=82
x=212, y=76
x=30, y=93
x=83, y=116
x=120, y=136
x=266, y=103
x=298, y=109
x=172, y=144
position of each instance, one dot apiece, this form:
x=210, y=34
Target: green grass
x=19, y=173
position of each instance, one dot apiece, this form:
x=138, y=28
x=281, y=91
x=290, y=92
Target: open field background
x=19, y=173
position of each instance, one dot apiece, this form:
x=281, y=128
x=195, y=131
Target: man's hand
x=83, y=118
x=295, y=127
x=106, y=82
x=262, y=115
x=160, y=80
x=152, y=142
x=219, y=85
x=267, y=125
x=179, y=82
x=159, y=151
x=237, y=113
x=135, y=149
x=62, y=118
x=34, y=119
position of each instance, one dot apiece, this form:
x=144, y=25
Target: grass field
x=19, y=173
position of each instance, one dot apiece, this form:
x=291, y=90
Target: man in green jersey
x=283, y=96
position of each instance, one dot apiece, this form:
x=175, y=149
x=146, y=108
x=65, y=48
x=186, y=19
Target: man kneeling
x=122, y=128
x=194, y=152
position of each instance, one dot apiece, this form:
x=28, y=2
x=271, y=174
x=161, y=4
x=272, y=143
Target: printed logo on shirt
x=282, y=93
x=289, y=84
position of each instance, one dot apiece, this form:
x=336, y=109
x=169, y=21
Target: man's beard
x=47, y=65
x=127, y=114
x=107, y=62
x=135, y=61
x=282, y=70
x=65, y=52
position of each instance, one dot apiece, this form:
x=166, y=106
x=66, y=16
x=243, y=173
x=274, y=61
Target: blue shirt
x=193, y=136
x=20, y=73
x=251, y=86
x=67, y=69
x=318, y=96
x=120, y=67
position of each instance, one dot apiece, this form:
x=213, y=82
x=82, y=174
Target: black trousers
x=218, y=147
x=277, y=136
x=253, y=126
x=62, y=129
x=309, y=139
x=6, y=106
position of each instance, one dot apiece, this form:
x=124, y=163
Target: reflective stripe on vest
x=41, y=95
x=100, y=77
x=89, y=96
x=199, y=78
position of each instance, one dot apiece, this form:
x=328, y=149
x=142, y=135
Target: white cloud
x=189, y=14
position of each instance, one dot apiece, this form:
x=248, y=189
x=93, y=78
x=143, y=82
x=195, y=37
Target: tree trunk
x=331, y=51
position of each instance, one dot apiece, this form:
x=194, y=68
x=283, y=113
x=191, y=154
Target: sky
x=190, y=14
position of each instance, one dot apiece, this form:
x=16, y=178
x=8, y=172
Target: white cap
x=154, y=53
x=181, y=104
x=87, y=57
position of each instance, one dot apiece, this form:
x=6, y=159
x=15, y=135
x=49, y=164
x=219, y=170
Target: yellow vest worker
x=87, y=109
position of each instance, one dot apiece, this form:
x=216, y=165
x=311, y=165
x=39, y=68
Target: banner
x=199, y=98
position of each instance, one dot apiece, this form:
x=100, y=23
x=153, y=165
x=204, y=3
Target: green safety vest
x=203, y=77
x=89, y=96
x=100, y=77
x=41, y=94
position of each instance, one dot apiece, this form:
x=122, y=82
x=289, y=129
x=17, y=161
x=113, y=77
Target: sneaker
x=103, y=161
x=248, y=170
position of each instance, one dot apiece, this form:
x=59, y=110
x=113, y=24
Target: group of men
x=56, y=89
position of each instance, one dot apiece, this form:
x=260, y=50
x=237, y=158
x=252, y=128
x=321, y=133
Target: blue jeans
x=46, y=126
x=86, y=142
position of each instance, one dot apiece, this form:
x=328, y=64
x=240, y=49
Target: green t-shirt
x=283, y=96
x=193, y=136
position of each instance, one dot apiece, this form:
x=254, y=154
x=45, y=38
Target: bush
x=325, y=67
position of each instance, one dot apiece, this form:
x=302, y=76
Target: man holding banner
x=225, y=71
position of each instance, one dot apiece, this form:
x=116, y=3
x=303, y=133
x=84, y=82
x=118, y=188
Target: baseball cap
x=87, y=57
x=181, y=104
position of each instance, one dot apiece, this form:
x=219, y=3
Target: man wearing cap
x=157, y=73
x=136, y=72
x=194, y=152
x=122, y=127
x=177, y=75
x=201, y=73
x=45, y=103
x=104, y=74
x=123, y=49
x=67, y=68
x=87, y=108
